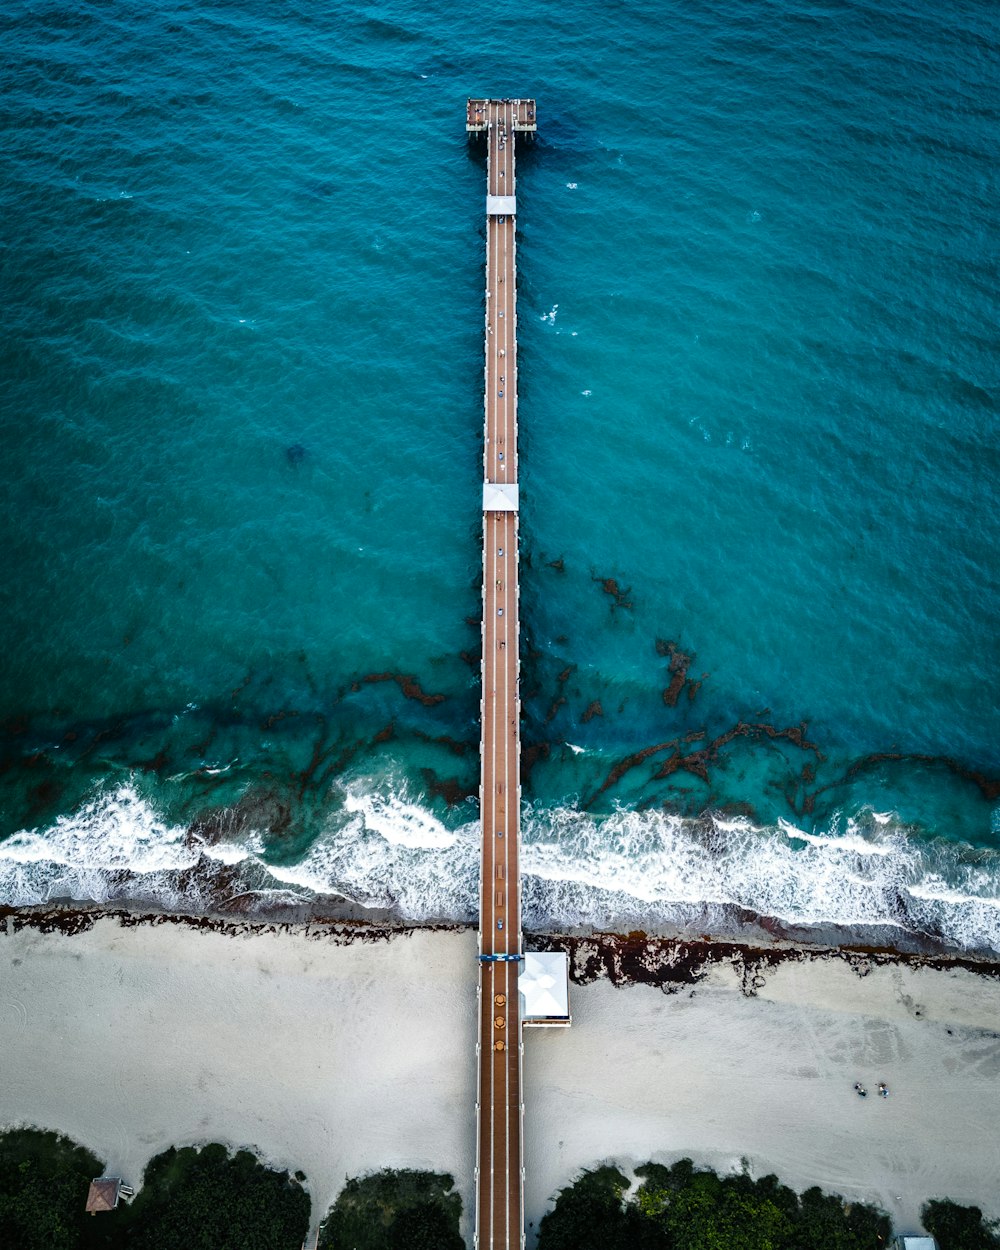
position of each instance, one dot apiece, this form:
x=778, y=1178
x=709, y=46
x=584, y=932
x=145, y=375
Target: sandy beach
x=337, y=1056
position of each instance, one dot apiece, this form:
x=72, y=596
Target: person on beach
x=860, y=1090
x=883, y=1089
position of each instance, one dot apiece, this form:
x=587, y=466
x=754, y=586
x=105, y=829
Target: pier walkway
x=499, y=1108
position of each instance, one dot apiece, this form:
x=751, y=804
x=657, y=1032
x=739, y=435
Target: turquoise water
x=242, y=252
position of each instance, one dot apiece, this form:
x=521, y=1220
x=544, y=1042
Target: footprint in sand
x=17, y=1011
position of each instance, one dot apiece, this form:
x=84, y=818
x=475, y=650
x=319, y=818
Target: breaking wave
x=85, y=855
x=652, y=868
x=384, y=849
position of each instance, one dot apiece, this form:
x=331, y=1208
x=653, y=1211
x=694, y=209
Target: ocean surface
x=242, y=259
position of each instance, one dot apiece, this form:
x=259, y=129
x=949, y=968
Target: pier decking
x=499, y=1162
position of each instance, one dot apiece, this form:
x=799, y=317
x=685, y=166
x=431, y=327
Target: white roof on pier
x=501, y=205
x=544, y=988
x=499, y=496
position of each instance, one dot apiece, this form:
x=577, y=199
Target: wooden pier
x=499, y=1107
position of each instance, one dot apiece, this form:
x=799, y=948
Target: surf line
x=515, y=988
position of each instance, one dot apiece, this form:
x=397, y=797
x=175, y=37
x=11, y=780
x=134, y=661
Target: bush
x=395, y=1210
x=592, y=1214
x=208, y=1200
x=825, y=1220
x=959, y=1228
x=711, y=1212
x=44, y=1180
x=681, y=1208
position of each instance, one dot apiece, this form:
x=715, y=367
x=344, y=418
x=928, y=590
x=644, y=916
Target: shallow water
x=759, y=391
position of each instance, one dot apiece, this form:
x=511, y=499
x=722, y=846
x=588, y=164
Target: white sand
x=342, y=1059
x=335, y=1060
x=723, y=1078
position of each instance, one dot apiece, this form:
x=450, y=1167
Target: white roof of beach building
x=499, y=496
x=501, y=206
x=916, y=1243
x=544, y=986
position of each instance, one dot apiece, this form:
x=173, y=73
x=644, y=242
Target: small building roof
x=501, y=205
x=544, y=987
x=499, y=496
x=916, y=1243
x=103, y=1194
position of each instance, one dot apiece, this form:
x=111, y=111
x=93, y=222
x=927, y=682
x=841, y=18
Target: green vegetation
x=959, y=1228
x=44, y=1180
x=593, y=1215
x=190, y=1200
x=395, y=1211
x=209, y=1200
x=680, y=1208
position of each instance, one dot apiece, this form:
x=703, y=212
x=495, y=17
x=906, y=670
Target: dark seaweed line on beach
x=672, y=964
x=669, y=964
x=72, y=920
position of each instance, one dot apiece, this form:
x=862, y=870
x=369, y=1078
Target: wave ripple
x=385, y=849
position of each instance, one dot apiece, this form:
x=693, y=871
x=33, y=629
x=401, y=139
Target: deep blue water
x=242, y=265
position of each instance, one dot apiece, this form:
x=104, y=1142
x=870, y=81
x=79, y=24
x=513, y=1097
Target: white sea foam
x=392, y=853
x=849, y=841
x=664, y=863
x=383, y=848
x=398, y=821
x=226, y=853
x=82, y=854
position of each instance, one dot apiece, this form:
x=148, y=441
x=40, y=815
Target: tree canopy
x=210, y=1200
x=593, y=1215
x=44, y=1180
x=395, y=1210
x=959, y=1228
x=683, y=1208
x=190, y=1200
